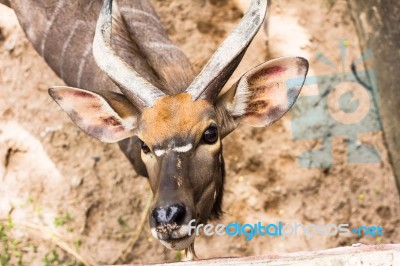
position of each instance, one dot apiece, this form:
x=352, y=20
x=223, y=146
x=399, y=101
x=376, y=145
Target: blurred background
x=67, y=199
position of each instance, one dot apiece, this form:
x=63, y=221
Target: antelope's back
x=62, y=32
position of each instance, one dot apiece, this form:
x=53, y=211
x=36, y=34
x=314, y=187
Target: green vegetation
x=9, y=249
x=63, y=219
x=20, y=253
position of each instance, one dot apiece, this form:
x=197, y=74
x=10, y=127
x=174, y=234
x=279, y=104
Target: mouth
x=178, y=243
x=175, y=238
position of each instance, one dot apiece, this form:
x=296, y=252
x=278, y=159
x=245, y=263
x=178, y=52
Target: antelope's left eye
x=144, y=147
x=210, y=136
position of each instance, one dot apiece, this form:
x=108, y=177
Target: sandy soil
x=50, y=171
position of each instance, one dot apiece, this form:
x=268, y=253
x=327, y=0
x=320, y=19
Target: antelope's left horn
x=220, y=67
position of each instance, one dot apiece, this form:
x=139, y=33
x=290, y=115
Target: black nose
x=174, y=214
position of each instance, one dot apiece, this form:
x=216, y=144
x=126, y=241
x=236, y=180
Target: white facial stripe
x=185, y=148
x=159, y=152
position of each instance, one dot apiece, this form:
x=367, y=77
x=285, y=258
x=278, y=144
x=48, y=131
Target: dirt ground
x=66, y=191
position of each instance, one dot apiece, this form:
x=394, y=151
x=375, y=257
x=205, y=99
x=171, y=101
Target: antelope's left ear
x=263, y=94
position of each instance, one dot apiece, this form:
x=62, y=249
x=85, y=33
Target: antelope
x=129, y=84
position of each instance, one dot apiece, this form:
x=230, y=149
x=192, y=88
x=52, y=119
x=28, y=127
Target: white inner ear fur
x=241, y=97
x=88, y=118
x=243, y=91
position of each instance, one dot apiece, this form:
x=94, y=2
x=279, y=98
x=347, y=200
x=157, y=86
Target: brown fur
x=172, y=115
x=192, y=176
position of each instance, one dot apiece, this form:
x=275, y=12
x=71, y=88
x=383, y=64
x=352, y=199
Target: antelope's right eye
x=144, y=147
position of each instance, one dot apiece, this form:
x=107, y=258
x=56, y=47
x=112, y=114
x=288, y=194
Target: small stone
x=96, y=158
x=10, y=44
x=76, y=181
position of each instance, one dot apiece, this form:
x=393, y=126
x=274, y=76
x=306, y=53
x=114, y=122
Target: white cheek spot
x=154, y=233
x=185, y=148
x=159, y=152
x=178, y=180
x=179, y=163
x=215, y=194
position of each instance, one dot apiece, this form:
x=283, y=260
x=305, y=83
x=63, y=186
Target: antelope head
x=180, y=135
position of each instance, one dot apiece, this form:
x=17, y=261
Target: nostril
x=177, y=214
x=159, y=216
x=173, y=214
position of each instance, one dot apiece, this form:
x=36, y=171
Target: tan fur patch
x=172, y=116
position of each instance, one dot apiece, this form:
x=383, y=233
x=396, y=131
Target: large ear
x=263, y=94
x=110, y=118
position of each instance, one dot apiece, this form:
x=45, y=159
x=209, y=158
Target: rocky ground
x=73, y=198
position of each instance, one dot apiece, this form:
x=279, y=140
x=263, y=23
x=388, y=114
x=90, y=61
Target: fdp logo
x=346, y=105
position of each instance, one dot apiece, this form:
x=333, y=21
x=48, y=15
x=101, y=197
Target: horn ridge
x=139, y=91
x=226, y=58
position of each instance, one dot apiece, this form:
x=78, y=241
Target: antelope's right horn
x=140, y=92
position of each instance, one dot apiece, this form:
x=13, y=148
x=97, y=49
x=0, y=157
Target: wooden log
x=383, y=255
x=377, y=24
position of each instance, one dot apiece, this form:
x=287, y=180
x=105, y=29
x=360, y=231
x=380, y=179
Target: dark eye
x=210, y=136
x=144, y=147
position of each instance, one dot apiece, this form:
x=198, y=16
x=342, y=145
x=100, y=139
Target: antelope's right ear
x=110, y=118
